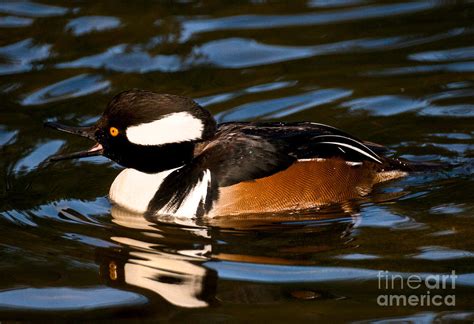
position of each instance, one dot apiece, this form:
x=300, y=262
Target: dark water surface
x=401, y=74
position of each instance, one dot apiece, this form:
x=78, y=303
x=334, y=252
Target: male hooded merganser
x=179, y=162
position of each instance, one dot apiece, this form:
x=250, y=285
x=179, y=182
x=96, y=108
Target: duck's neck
x=155, y=159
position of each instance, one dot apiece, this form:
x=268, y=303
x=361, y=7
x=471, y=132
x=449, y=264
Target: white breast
x=134, y=190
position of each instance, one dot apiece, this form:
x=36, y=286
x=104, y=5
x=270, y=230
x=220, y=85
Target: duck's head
x=146, y=131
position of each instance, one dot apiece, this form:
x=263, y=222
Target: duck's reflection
x=169, y=259
x=178, y=280
x=145, y=262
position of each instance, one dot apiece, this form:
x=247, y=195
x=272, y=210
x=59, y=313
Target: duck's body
x=180, y=163
x=251, y=168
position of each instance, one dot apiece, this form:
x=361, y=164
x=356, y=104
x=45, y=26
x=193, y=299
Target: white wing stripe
x=351, y=140
x=362, y=148
x=355, y=149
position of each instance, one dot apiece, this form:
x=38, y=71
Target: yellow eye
x=113, y=131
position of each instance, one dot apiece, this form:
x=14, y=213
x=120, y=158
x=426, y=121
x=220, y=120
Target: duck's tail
x=412, y=166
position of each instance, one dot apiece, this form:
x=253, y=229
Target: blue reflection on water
x=287, y=274
x=13, y=22
x=65, y=298
x=442, y=253
x=385, y=105
x=191, y=27
x=281, y=273
x=84, y=25
x=122, y=58
x=7, y=137
x=19, y=57
x=39, y=154
x=226, y=96
x=31, y=9
x=280, y=107
x=77, y=86
x=453, y=54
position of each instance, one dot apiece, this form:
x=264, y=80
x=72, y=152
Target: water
x=401, y=74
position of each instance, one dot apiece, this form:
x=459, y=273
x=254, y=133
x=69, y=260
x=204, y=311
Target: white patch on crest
x=190, y=204
x=134, y=190
x=172, y=128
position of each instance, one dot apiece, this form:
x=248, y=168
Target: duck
x=179, y=162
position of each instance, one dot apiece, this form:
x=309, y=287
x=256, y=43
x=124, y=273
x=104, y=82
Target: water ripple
x=77, y=86
x=18, y=218
x=389, y=105
x=280, y=107
x=234, y=53
x=239, y=53
x=435, y=253
x=453, y=54
x=333, y=3
x=6, y=136
x=450, y=94
x=65, y=210
x=385, y=105
x=191, y=27
x=242, y=52
x=119, y=59
x=229, y=53
x=281, y=273
x=31, y=9
x=458, y=67
x=461, y=110
x=89, y=240
x=84, y=25
x=447, y=209
x=19, y=57
x=66, y=298
x=39, y=154
x=379, y=216
x=357, y=256
x=14, y=22
x=424, y=318
x=226, y=96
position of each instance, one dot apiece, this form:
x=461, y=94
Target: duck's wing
x=242, y=152
x=248, y=151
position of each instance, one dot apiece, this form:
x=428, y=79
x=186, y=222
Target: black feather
x=178, y=185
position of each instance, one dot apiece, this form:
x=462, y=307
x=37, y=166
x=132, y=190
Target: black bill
x=87, y=132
